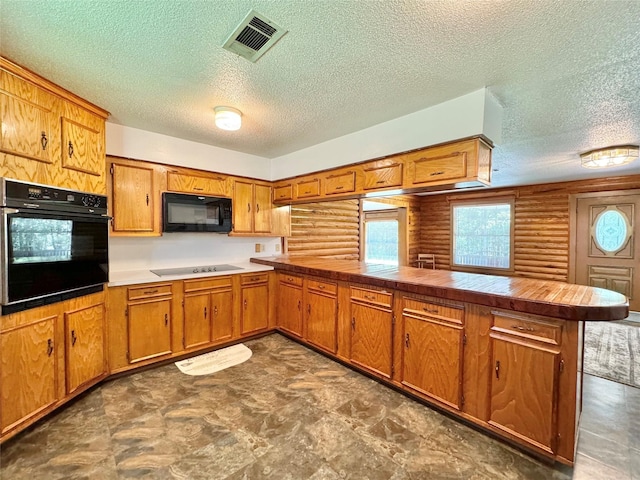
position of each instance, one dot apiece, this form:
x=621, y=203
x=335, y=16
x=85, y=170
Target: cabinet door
x=28, y=124
x=179, y=182
x=84, y=331
x=82, y=145
x=28, y=374
x=197, y=319
x=149, y=330
x=262, y=220
x=289, y=304
x=255, y=308
x=371, y=338
x=243, y=208
x=222, y=315
x=524, y=391
x=432, y=359
x=322, y=317
x=132, y=199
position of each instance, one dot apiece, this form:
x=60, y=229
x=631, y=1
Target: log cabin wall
x=541, y=243
x=325, y=229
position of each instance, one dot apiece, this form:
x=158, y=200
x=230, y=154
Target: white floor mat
x=215, y=361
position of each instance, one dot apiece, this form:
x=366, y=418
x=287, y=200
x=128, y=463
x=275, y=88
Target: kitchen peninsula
x=503, y=353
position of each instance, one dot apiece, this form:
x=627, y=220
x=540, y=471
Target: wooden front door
x=608, y=243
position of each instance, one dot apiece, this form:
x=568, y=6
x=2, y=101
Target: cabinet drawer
x=252, y=278
x=324, y=287
x=178, y=182
x=291, y=279
x=421, y=308
x=308, y=188
x=381, y=177
x=207, y=284
x=437, y=169
x=340, y=183
x=372, y=296
x=546, y=331
x=149, y=291
x=283, y=192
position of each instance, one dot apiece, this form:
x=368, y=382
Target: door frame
x=573, y=222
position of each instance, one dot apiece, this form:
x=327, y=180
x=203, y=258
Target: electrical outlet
x=277, y=247
x=258, y=248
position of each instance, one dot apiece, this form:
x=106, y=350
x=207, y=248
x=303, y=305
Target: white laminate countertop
x=134, y=277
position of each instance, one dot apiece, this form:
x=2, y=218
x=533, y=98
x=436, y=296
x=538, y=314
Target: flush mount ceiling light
x=228, y=118
x=610, y=156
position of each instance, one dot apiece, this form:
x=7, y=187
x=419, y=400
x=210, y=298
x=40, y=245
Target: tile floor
x=290, y=413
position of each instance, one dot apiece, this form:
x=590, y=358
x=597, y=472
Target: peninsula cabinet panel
x=29, y=122
x=133, y=199
x=85, y=346
x=371, y=338
x=322, y=315
x=149, y=330
x=29, y=372
x=289, y=304
x=524, y=387
x=433, y=351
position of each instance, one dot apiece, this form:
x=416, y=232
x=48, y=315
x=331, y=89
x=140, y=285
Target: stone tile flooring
x=290, y=413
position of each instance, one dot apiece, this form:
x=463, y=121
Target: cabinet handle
x=70, y=149
x=340, y=187
x=166, y=319
x=353, y=323
x=299, y=305
x=307, y=192
x=523, y=329
x=433, y=174
x=321, y=287
x=215, y=311
x=406, y=340
x=430, y=310
x=49, y=347
x=198, y=189
x=245, y=304
x=369, y=297
x=248, y=207
x=205, y=313
x=381, y=181
x=497, y=369
x=44, y=140
x=73, y=337
x=309, y=308
x=151, y=292
x=257, y=208
x=147, y=199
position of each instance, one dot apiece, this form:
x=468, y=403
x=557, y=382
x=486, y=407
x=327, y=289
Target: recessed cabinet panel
x=28, y=374
x=85, y=342
x=308, y=188
x=371, y=338
x=197, y=320
x=282, y=193
x=82, y=148
x=321, y=328
x=427, y=169
x=222, y=315
x=132, y=198
x=178, y=182
x=243, y=208
x=289, y=306
x=149, y=330
x=262, y=221
x=340, y=183
x=383, y=177
x=255, y=308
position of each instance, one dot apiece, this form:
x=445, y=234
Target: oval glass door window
x=611, y=231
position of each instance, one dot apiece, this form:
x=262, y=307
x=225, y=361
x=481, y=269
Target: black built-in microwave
x=195, y=213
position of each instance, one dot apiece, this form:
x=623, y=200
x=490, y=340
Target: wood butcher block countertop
x=540, y=297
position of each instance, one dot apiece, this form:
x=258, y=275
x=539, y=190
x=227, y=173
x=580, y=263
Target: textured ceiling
x=567, y=73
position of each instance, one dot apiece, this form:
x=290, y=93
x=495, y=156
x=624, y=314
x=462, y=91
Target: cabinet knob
x=245, y=303
x=215, y=311
x=497, y=369
x=44, y=140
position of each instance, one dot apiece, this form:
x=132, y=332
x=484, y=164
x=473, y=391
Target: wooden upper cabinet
x=341, y=182
x=307, y=188
x=262, y=220
x=29, y=120
x=132, y=198
x=283, y=192
x=243, y=207
x=217, y=185
x=382, y=176
x=83, y=146
x=29, y=371
x=85, y=346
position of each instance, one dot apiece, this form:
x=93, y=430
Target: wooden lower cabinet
x=322, y=314
x=208, y=311
x=149, y=329
x=433, y=350
x=255, y=303
x=85, y=346
x=372, y=331
x=29, y=371
x=289, y=304
x=526, y=364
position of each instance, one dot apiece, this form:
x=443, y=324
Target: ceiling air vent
x=254, y=36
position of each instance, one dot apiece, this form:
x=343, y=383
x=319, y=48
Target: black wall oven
x=53, y=244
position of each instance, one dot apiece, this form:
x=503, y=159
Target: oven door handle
x=9, y=211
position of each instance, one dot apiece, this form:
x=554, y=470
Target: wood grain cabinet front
x=252, y=208
x=289, y=307
x=372, y=330
x=321, y=326
x=433, y=345
x=217, y=185
x=526, y=364
x=29, y=374
x=133, y=199
x=255, y=303
x=340, y=182
x=83, y=143
x=382, y=176
x=208, y=311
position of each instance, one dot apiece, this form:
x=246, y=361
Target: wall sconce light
x=228, y=118
x=609, y=157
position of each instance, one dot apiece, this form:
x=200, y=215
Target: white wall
x=154, y=147
x=184, y=250
x=477, y=113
